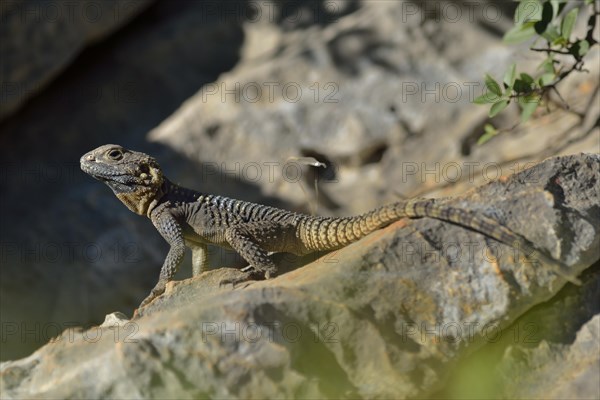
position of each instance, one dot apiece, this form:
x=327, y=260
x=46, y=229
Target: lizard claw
x=236, y=280
x=157, y=291
x=252, y=272
x=258, y=273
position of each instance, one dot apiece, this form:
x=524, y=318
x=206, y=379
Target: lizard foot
x=246, y=276
x=260, y=274
x=157, y=291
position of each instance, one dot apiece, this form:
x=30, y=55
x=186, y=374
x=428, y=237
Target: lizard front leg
x=250, y=251
x=171, y=231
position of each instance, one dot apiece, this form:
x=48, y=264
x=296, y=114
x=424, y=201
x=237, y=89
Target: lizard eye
x=115, y=154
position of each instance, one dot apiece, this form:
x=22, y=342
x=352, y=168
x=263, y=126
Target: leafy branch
x=552, y=22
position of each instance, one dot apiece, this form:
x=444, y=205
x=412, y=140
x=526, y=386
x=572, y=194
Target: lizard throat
x=144, y=198
x=138, y=201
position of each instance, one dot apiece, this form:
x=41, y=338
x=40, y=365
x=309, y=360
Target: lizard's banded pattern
x=185, y=217
x=320, y=233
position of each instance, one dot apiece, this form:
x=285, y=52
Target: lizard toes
x=270, y=273
x=236, y=280
x=146, y=301
x=260, y=273
x=248, y=268
x=254, y=273
x=157, y=291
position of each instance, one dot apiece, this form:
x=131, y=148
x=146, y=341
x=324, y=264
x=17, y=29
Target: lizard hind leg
x=199, y=258
x=258, y=258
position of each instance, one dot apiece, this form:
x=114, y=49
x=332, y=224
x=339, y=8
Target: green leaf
x=488, y=128
x=490, y=132
x=560, y=41
x=497, y=107
x=528, y=10
x=547, y=65
x=528, y=105
x=546, y=79
x=568, y=22
x=557, y=7
x=519, y=33
x=492, y=85
x=486, y=98
x=524, y=84
x=551, y=34
x=527, y=78
x=580, y=48
x=510, y=75
x=522, y=87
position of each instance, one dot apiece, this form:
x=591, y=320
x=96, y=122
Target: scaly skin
x=186, y=217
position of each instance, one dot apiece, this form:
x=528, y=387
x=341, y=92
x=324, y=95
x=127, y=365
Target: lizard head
x=134, y=177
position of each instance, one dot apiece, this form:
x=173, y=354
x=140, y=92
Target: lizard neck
x=166, y=187
x=170, y=192
x=144, y=198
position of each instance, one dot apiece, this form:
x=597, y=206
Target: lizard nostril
x=89, y=157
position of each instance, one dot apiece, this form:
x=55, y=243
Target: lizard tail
x=322, y=233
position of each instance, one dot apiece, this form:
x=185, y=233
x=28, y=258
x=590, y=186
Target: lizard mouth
x=91, y=168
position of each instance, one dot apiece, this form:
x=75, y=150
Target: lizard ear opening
x=155, y=174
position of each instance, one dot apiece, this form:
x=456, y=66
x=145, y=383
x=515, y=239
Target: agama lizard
x=186, y=217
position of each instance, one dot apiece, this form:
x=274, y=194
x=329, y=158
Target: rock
x=526, y=359
x=554, y=371
x=55, y=247
x=353, y=93
x=388, y=316
x=78, y=254
x=116, y=318
x=41, y=38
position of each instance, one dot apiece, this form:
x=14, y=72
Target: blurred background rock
x=224, y=95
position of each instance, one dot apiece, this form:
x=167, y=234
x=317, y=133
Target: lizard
x=185, y=217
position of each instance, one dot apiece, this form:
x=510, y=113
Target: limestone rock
x=71, y=253
x=388, y=316
x=554, y=371
x=41, y=38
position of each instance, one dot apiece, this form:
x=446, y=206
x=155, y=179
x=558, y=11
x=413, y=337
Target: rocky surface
x=553, y=371
x=70, y=252
x=361, y=96
x=388, y=316
x=41, y=38
x=549, y=352
x=77, y=254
